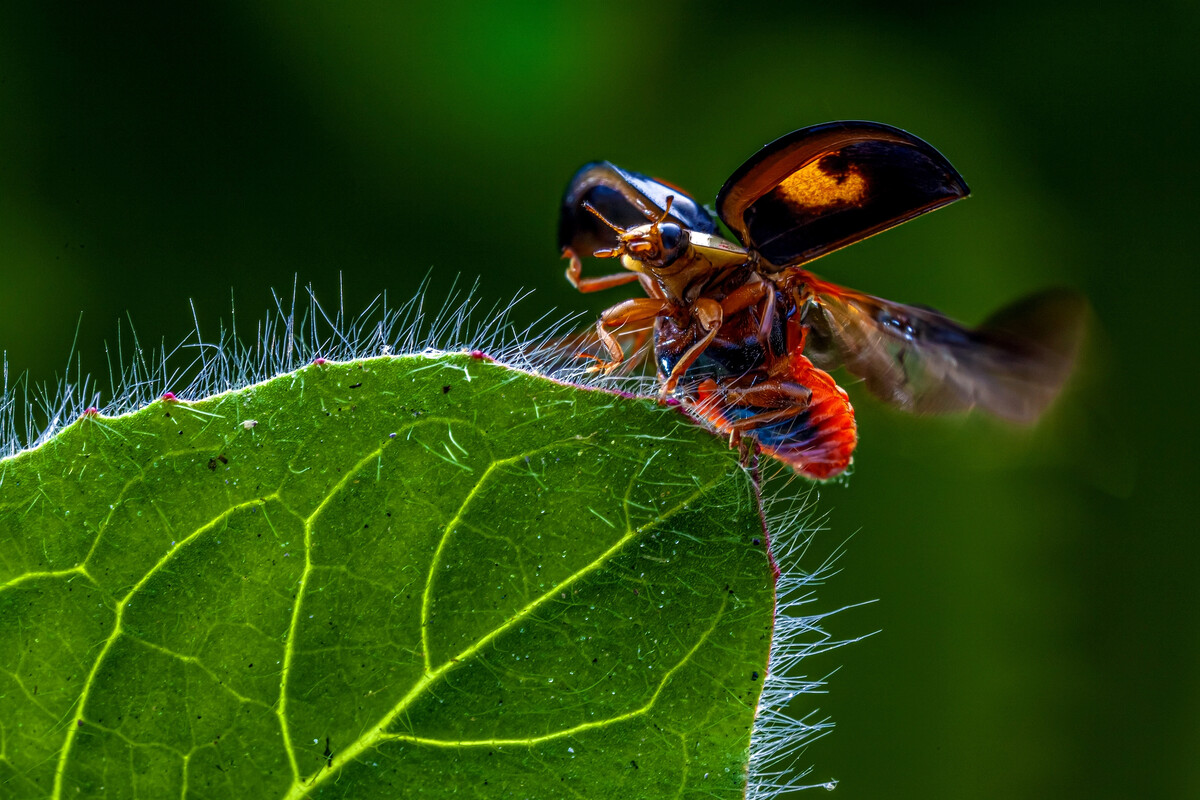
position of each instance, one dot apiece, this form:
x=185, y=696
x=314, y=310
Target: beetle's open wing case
x=821, y=188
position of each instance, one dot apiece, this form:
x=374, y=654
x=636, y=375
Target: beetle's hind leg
x=781, y=399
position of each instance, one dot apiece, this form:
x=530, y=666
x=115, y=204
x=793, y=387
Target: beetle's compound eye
x=672, y=238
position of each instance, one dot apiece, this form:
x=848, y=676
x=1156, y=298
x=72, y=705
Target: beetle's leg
x=631, y=340
x=798, y=277
x=767, y=321
x=638, y=349
x=804, y=287
x=796, y=336
x=637, y=309
x=744, y=296
x=772, y=393
x=599, y=283
x=710, y=316
x=747, y=449
x=783, y=399
x=780, y=398
x=709, y=399
x=765, y=418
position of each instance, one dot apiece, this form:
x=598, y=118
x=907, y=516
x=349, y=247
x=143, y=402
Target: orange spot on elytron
x=814, y=187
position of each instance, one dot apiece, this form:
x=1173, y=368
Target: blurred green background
x=1037, y=600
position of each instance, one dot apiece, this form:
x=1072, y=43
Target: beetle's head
x=646, y=248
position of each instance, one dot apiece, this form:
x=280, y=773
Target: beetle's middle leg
x=637, y=309
x=709, y=314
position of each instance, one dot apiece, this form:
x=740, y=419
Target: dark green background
x=1037, y=600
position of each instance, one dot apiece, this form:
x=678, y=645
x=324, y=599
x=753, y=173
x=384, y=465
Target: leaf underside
x=404, y=576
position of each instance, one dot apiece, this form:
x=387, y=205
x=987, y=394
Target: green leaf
x=402, y=576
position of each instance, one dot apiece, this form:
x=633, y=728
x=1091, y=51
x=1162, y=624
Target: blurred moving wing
x=917, y=359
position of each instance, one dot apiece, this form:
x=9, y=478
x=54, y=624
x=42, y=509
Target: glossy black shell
x=627, y=200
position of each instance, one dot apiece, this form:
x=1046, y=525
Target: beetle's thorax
x=702, y=261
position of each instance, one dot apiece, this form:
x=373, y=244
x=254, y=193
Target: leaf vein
x=376, y=733
x=90, y=681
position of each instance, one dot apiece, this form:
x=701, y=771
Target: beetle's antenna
x=666, y=211
x=654, y=224
x=602, y=218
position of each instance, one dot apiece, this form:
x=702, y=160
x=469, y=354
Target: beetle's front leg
x=576, y=279
x=637, y=309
